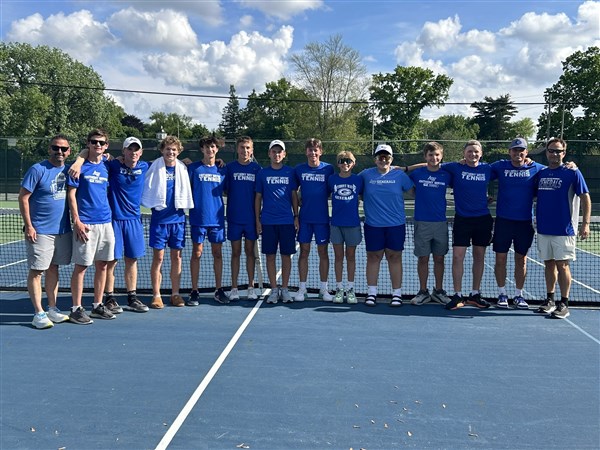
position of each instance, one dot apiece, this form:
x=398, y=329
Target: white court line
x=178, y=422
x=13, y=263
x=12, y=242
x=578, y=328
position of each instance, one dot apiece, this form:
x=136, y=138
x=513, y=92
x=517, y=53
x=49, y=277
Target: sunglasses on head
x=97, y=142
x=345, y=161
x=58, y=148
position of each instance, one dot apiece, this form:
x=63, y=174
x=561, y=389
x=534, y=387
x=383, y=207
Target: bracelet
x=406, y=168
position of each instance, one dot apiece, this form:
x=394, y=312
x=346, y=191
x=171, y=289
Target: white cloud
x=248, y=61
x=283, y=10
x=444, y=35
x=209, y=11
x=77, y=34
x=246, y=21
x=166, y=29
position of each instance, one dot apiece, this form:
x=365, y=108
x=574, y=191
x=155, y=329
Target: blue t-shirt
x=125, y=189
x=276, y=186
x=208, y=184
x=92, y=193
x=558, y=193
x=516, y=187
x=170, y=214
x=48, y=207
x=314, y=193
x=430, y=194
x=345, y=194
x=241, y=186
x=383, y=197
x=470, y=185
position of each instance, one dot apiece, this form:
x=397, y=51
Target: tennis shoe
x=221, y=296
x=41, y=321
x=476, y=301
x=325, y=296
x=251, y=294
x=456, y=301
x=134, y=304
x=547, y=307
x=56, y=316
x=102, y=312
x=520, y=303
x=421, y=298
x=301, y=295
x=351, y=297
x=80, y=317
x=502, y=301
x=285, y=296
x=273, y=296
x=193, y=299
x=234, y=295
x=111, y=304
x=561, y=311
x=440, y=296
x=339, y=296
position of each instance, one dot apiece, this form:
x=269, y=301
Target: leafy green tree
x=573, y=99
x=524, y=127
x=397, y=100
x=231, y=122
x=452, y=131
x=44, y=92
x=493, y=117
x=172, y=123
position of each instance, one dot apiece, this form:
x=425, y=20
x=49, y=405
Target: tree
x=493, y=117
x=231, y=122
x=174, y=124
x=573, y=99
x=45, y=91
x=398, y=98
x=452, y=131
x=333, y=73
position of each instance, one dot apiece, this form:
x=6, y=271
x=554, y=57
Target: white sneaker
x=325, y=296
x=285, y=296
x=234, y=295
x=351, y=297
x=41, y=321
x=273, y=296
x=339, y=296
x=251, y=294
x=421, y=298
x=56, y=316
x=301, y=295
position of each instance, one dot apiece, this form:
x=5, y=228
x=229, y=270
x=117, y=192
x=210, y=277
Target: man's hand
x=30, y=233
x=81, y=231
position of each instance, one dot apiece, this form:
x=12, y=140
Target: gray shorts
x=99, y=247
x=431, y=238
x=49, y=249
x=559, y=248
x=351, y=236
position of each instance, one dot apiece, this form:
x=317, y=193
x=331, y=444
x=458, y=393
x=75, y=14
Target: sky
x=489, y=48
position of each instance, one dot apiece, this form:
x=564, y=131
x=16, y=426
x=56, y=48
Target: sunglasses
x=554, y=151
x=58, y=148
x=345, y=161
x=384, y=157
x=96, y=142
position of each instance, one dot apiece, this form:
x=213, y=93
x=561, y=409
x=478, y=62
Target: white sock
x=502, y=290
x=324, y=287
x=371, y=290
x=339, y=285
x=397, y=292
x=518, y=292
x=302, y=286
x=350, y=284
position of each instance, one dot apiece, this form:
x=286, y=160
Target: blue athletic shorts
x=320, y=230
x=477, y=230
x=171, y=234
x=215, y=235
x=236, y=231
x=129, y=238
x=283, y=236
x=519, y=233
x=380, y=238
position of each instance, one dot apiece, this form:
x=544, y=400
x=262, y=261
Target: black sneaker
x=194, y=299
x=561, y=311
x=102, y=312
x=546, y=308
x=111, y=304
x=456, y=301
x=80, y=317
x=221, y=296
x=135, y=305
x=477, y=301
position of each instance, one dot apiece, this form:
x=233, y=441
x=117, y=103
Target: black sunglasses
x=554, y=150
x=96, y=142
x=345, y=161
x=58, y=148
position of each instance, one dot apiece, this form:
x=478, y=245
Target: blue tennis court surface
x=309, y=375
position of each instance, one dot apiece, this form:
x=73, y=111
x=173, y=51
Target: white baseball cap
x=383, y=148
x=131, y=140
x=276, y=142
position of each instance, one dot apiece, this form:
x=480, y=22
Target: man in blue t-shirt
x=311, y=178
x=93, y=235
x=431, y=225
x=560, y=191
x=473, y=222
x=47, y=230
x=241, y=220
x=514, y=213
x=276, y=211
x=207, y=218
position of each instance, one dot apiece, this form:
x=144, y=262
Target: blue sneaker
x=502, y=301
x=520, y=303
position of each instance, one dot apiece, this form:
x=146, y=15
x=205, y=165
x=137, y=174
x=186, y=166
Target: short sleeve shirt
x=383, y=197
x=276, y=187
x=430, y=194
x=241, y=186
x=345, y=194
x=312, y=182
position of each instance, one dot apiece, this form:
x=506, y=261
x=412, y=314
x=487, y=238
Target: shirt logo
x=278, y=180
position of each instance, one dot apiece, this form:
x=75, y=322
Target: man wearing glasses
x=560, y=191
x=42, y=201
x=93, y=237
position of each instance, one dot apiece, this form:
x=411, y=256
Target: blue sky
x=489, y=48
